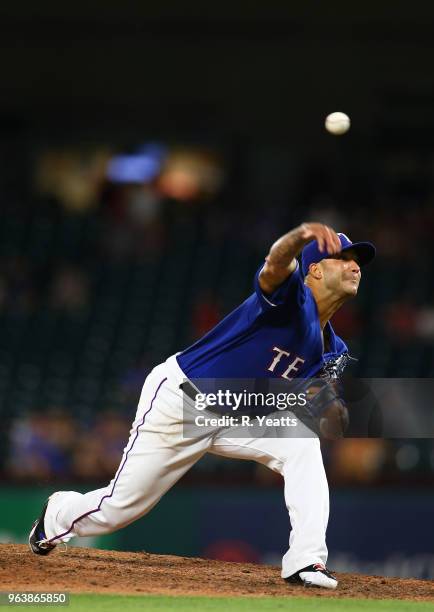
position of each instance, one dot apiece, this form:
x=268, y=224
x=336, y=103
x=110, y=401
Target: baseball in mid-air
x=337, y=123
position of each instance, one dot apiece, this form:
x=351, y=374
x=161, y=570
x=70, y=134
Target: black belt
x=189, y=390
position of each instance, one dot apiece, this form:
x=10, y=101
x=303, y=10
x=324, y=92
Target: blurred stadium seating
x=91, y=298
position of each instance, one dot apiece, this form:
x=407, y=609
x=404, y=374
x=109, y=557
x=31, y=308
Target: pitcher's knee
x=100, y=522
x=301, y=447
x=117, y=515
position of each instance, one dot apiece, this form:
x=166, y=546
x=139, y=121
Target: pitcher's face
x=342, y=273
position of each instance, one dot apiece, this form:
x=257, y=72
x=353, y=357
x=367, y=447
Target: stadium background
x=148, y=160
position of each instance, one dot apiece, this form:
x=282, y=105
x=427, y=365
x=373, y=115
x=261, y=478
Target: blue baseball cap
x=311, y=254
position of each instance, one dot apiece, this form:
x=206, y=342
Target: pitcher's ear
x=315, y=271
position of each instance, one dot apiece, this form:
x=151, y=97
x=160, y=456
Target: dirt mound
x=88, y=570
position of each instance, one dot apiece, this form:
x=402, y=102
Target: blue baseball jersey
x=276, y=336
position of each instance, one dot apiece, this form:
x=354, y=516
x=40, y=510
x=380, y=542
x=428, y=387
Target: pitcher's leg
x=307, y=500
x=154, y=459
x=146, y=476
x=300, y=462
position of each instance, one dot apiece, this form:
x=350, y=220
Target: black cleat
x=316, y=575
x=38, y=543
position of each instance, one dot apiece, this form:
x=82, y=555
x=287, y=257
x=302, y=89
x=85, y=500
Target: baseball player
x=282, y=331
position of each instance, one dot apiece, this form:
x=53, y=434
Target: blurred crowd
x=136, y=269
x=56, y=447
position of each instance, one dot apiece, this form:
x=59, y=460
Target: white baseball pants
x=157, y=455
